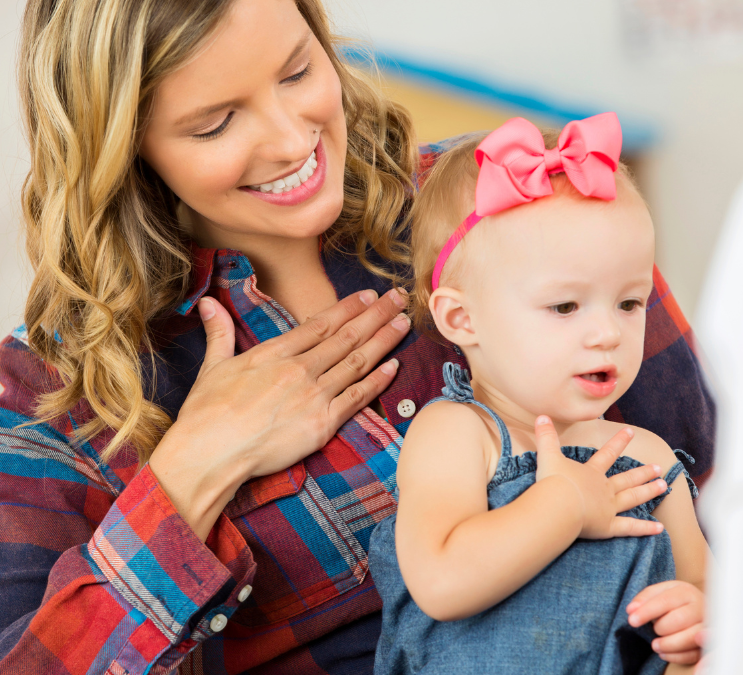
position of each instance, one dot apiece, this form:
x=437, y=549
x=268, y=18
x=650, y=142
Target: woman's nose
x=283, y=135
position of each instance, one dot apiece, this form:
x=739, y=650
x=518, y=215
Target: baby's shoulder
x=445, y=415
x=645, y=447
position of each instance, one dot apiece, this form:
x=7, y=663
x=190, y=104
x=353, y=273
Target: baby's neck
x=520, y=422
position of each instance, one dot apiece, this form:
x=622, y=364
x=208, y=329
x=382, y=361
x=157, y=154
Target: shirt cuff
x=154, y=559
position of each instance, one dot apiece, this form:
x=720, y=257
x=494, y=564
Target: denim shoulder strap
x=457, y=388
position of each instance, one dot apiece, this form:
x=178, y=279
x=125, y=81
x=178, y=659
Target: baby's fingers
x=683, y=658
x=678, y=643
x=634, y=477
x=673, y=609
x=611, y=450
x=622, y=526
x=634, y=496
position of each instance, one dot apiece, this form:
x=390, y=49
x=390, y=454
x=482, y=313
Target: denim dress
x=571, y=619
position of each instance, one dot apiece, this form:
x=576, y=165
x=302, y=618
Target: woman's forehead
x=255, y=42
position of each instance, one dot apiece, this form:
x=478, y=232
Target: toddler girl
x=507, y=555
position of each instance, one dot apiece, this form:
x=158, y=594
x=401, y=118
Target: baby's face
x=557, y=295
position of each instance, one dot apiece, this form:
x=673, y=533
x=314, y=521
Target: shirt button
x=218, y=623
x=406, y=408
x=244, y=593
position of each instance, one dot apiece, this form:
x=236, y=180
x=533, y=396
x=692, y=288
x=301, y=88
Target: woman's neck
x=289, y=271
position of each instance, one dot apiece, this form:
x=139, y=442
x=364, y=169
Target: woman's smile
x=296, y=186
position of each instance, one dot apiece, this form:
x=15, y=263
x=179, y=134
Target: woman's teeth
x=595, y=377
x=290, y=182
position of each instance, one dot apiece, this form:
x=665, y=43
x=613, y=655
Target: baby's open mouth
x=601, y=376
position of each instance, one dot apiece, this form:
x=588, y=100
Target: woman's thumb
x=220, y=331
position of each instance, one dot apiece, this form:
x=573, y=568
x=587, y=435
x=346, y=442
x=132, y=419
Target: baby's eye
x=629, y=305
x=565, y=308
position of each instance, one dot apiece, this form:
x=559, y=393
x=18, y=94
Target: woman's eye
x=299, y=76
x=565, y=308
x=629, y=305
x=216, y=132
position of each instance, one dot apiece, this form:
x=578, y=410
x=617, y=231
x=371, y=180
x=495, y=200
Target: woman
x=168, y=502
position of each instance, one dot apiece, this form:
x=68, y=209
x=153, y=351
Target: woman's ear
x=451, y=314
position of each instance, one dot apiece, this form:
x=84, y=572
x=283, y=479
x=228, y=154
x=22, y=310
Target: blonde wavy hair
x=101, y=228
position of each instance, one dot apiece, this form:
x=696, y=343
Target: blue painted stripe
x=638, y=135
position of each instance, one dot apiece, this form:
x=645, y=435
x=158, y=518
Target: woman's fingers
x=359, y=362
x=362, y=393
x=323, y=326
x=220, y=332
x=623, y=526
x=611, y=450
x=367, y=338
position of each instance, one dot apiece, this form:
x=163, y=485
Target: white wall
x=576, y=51
x=13, y=166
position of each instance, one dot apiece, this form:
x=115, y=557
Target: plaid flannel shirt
x=100, y=574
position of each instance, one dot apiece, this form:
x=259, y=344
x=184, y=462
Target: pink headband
x=515, y=168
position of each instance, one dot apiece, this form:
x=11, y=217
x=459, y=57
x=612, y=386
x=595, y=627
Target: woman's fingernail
x=657, y=469
x=632, y=620
x=399, y=297
x=630, y=432
x=206, y=309
x=543, y=419
x=401, y=322
x=662, y=485
x=631, y=607
x=368, y=297
x=390, y=368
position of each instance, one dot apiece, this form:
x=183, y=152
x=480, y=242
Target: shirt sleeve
x=92, y=581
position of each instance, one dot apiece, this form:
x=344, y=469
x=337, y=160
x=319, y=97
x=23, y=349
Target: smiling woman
x=200, y=420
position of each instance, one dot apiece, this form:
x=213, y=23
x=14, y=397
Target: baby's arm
x=676, y=608
x=456, y=557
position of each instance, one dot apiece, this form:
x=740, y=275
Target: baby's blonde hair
x=446, y=198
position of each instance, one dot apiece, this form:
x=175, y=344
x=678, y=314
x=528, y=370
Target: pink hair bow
x=515, y=168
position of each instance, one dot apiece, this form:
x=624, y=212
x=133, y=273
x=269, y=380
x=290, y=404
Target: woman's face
x=250, y=134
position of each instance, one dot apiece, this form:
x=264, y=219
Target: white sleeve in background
x=719, y=328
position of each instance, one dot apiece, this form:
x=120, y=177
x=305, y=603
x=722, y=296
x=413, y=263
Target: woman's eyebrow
x=205, y=111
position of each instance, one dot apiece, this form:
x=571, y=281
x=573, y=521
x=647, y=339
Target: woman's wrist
x=566, y=501
x=199, y=496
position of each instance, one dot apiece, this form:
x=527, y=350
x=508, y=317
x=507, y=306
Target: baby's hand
x=676, y=609
x=601, y=498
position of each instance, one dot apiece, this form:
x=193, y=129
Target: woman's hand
x=261, y=411
x=599, y=498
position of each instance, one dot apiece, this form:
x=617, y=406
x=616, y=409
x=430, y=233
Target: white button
x=244, y=593
x=218, y=623
x=406, y=408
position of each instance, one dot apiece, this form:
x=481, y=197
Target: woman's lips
x=303, y=192
x=603, y=386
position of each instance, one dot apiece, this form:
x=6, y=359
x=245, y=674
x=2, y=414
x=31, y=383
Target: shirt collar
x=206, y=263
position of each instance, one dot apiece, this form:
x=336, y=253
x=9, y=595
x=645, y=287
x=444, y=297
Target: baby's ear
x=451, y=314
